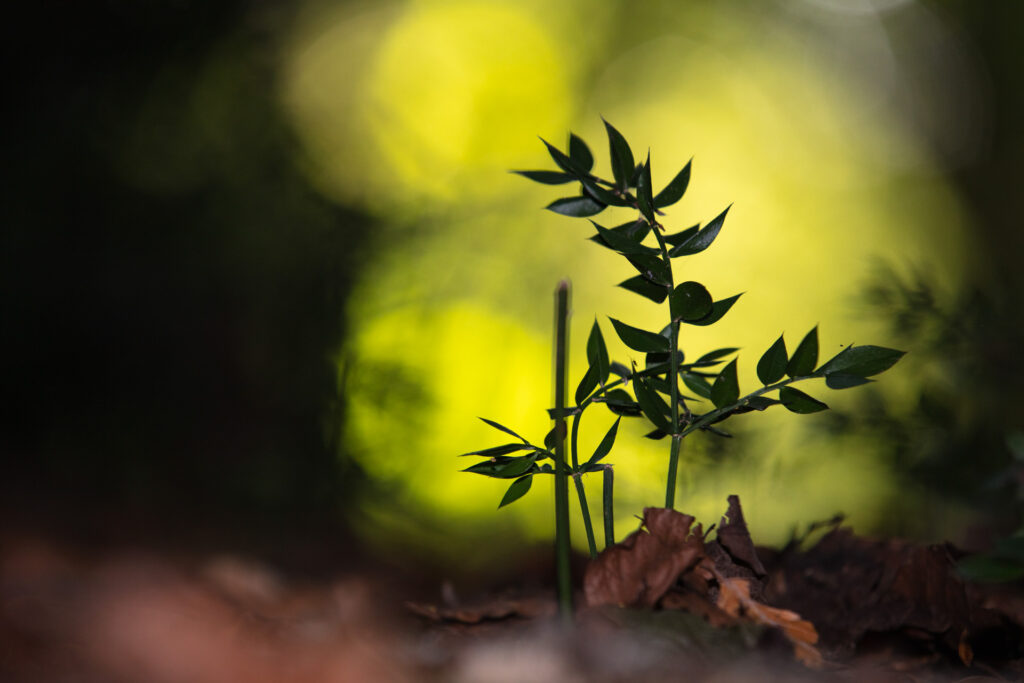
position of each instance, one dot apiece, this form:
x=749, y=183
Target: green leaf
x=841, y=380
x=503, y=468
x=621, y=370
x=652, y=267
x=605, y=447
x=547, y=177
x=718, y=310
x=644, y=198
x=503, y=428
x=656, y=435
x=587, y=384
x=677, y=238
x=577, y=207
x=638, y=284
x=621, y=403
x=772, y=366
x=602, y=195
x=760, y=402
x=597, y=353
x=580, y=153
x=863, y=361
x=697, y=384
x=549, y=438
x=621, y=156
x=797, y=401
x=803, y=360
x=516, y=490
x=621, y=242
x=504, y=449
x=714, y=357
x=690, y=301
x=563, y=162
x=674, y=191
x=634, y=230
x=726, y=388
x=652, y=405
x=639, y=340
x=703, y=239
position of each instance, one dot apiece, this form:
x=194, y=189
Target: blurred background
x=263, y=265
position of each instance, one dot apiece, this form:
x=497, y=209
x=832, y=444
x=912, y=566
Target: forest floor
x=668, y=603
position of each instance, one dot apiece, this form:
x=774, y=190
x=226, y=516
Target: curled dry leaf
x=734, y=598
x=735, y=538
x=639, y=571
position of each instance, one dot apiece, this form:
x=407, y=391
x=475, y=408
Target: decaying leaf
x=734, y=598
x=639, y=571
x=735, y=537
x=489, y=610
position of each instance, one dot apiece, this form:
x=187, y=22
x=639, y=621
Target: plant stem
x=577, y=479
x=609, y=519
x=673, y=380
x=588, y=524
x=562, y=548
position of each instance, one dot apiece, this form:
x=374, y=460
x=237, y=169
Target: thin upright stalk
x=588, y=524
x=585, y=510
x=609, y=518
x=562, y=540
x=673, y=382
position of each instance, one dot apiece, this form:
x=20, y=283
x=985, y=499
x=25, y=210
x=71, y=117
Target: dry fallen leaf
x=639, y=571
x=734, y=598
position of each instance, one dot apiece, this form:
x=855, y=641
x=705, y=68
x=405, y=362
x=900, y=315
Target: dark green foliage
x=772, y=366
x=656, y=394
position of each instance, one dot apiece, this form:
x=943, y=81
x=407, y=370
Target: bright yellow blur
x=418, y=124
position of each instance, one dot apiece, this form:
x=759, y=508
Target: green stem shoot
x=562, y=541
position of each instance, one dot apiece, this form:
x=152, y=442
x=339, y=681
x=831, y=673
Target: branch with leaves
x=658, y=388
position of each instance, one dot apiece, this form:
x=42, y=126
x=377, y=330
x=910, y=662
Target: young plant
x=652, y=250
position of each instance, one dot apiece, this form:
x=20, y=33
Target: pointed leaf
x=652, y=267
x=639, y=340
x=677, y=238
x=577, y=207
x=516, y=490
x=621, y=156
x=622, y=243
x=714, y=357
x=597, y=353
x=503, y=468
x=605, y=447
x=549, y=438
x=638, y=284
x=863, y=361
x=621, y=403
x=652, y=405
x=656, y=435
x=580, y=153
x=621, y=370
x=644, y=198
x=564, y=162
x=504, y=449
x=703, y=239
x=842, y=380
x=674, y=191
x=772, y=366
x=587, y=384
x=718, y=310
x=760, y=402
x=797, y=401
x=697, y=385
x=503, y=428
x=690, y=301
x=602, y=195
x=547, y=177
x=802, y=363
x=726, y=388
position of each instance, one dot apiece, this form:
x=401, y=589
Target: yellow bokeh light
x=427, y=118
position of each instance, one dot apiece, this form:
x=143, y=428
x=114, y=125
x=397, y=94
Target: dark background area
x=172, y=289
